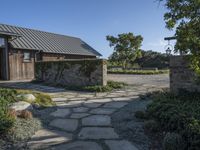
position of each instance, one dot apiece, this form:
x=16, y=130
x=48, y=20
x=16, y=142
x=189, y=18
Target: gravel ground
x=160, y=80
x=131, y=128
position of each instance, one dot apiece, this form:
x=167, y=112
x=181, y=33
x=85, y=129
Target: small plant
x=25, y=114
x=151, y=125
x=173, y=141
x=140, y=114
x=12, y=113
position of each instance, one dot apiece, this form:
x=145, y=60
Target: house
x=20, y=48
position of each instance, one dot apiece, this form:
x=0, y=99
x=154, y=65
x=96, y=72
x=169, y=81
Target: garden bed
x=17, y=126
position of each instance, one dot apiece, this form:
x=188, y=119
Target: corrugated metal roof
x=48, y=42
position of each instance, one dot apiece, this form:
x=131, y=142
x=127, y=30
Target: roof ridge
x=40, y=31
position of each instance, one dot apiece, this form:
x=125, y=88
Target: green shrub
x=173, y=141
x=43, y=100
x=178, y=113
x=10, y=95
x=116, y=85
x=151, y=125
x=7, y=96
x=97, y=88
x=140, y=114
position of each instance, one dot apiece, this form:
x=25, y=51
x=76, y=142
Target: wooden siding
x=20, y=70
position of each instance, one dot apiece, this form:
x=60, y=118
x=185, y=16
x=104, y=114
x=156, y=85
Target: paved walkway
x=82, y=121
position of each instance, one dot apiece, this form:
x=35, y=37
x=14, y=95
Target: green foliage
x=111, y=85
x=151, y=59
x=7, y=96
x=43, y=100
x=97, y=88
x=151, y=125
x=178, y=113
x=126, y=48
x=139, y=72
x=184, y=16
x=173, y=141
x=140, y=114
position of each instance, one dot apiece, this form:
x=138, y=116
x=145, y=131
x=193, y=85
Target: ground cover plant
x=42, y=99
x=179, y=117
x=7, y=96
x=138, y=72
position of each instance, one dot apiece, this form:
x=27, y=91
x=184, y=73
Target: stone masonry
x=181, y=75
x=72, y=72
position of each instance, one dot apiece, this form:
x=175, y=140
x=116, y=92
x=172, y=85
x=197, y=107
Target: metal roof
x=47, y=42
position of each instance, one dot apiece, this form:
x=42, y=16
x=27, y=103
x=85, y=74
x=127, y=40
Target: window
x=2, y=42
x=27, y=57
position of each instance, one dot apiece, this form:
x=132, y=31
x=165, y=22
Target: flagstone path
x=82, y=121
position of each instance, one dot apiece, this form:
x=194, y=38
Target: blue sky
x=91, y=20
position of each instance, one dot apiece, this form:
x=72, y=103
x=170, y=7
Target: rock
x=102, y=111
x=46, y=138
x=59, y=99
x=92, y=104
x=120, y=145
x=79, y=145
x=60, y=113
x=98, y=133
x=115, y=104
x=79, y=115
x=96, y=120
x=80, y=109
x=28, y=97
x=21, y=105
x=65, y=124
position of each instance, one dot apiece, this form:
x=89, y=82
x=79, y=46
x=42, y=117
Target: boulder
x=28, y=97
x=21, y=105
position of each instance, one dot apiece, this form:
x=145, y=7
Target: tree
x=152, y=59
x=126, y=48
x=184, y=17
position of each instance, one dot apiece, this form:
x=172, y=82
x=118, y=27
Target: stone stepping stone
x=97, y=133
x=102, y=111
x=125, y=98
x=80, y=109
x=115, y=104
x=120, y=145
x=103, y=100
x=77, y=99
x=91, y=104
x=60, y=113
x=46, y=138
x=97, y=120
x=65, y=124
x=59, y=99
x=79, y=145
x=79, y=115
x=70, y=104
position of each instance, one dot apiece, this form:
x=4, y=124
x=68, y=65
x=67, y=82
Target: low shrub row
x=111, y=85
x=138, y=72
x=177, y=114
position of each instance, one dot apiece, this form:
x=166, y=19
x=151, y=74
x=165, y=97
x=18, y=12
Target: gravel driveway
x=160, y=80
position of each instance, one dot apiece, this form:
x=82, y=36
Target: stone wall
x=181, y=75
x=72, y=72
